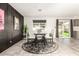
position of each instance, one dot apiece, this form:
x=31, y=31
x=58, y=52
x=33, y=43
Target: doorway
x=64, y=29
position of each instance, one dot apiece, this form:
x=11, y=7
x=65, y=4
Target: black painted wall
x=10, y=36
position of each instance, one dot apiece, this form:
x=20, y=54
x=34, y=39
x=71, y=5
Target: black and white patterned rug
x=40, y=48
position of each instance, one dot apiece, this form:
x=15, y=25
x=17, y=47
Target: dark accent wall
x=9, y=36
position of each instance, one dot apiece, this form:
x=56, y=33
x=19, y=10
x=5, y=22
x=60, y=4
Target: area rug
x=40, y=48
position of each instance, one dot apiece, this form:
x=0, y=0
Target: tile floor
x=66, y=47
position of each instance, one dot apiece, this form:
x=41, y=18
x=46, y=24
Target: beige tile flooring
x=67, y=47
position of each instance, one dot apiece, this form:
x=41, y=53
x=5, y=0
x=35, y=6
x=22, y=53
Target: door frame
x=57, y=27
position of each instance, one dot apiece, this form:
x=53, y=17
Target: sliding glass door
x=64, y=29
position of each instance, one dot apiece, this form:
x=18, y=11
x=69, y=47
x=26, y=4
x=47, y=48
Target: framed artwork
x=16, y=23
x=1, y=19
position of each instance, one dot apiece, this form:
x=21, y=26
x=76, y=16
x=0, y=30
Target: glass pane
x=64, y=28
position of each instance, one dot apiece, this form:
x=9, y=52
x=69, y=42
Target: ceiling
x=46, y=9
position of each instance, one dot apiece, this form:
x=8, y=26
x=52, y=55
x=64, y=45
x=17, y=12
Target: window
x=39, y=25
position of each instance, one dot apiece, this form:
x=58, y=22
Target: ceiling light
x=39, y=10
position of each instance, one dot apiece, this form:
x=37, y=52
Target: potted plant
x=26, y=33
x=25, y=30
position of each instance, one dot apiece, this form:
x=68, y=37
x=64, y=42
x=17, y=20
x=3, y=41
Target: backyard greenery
x=66, y=34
